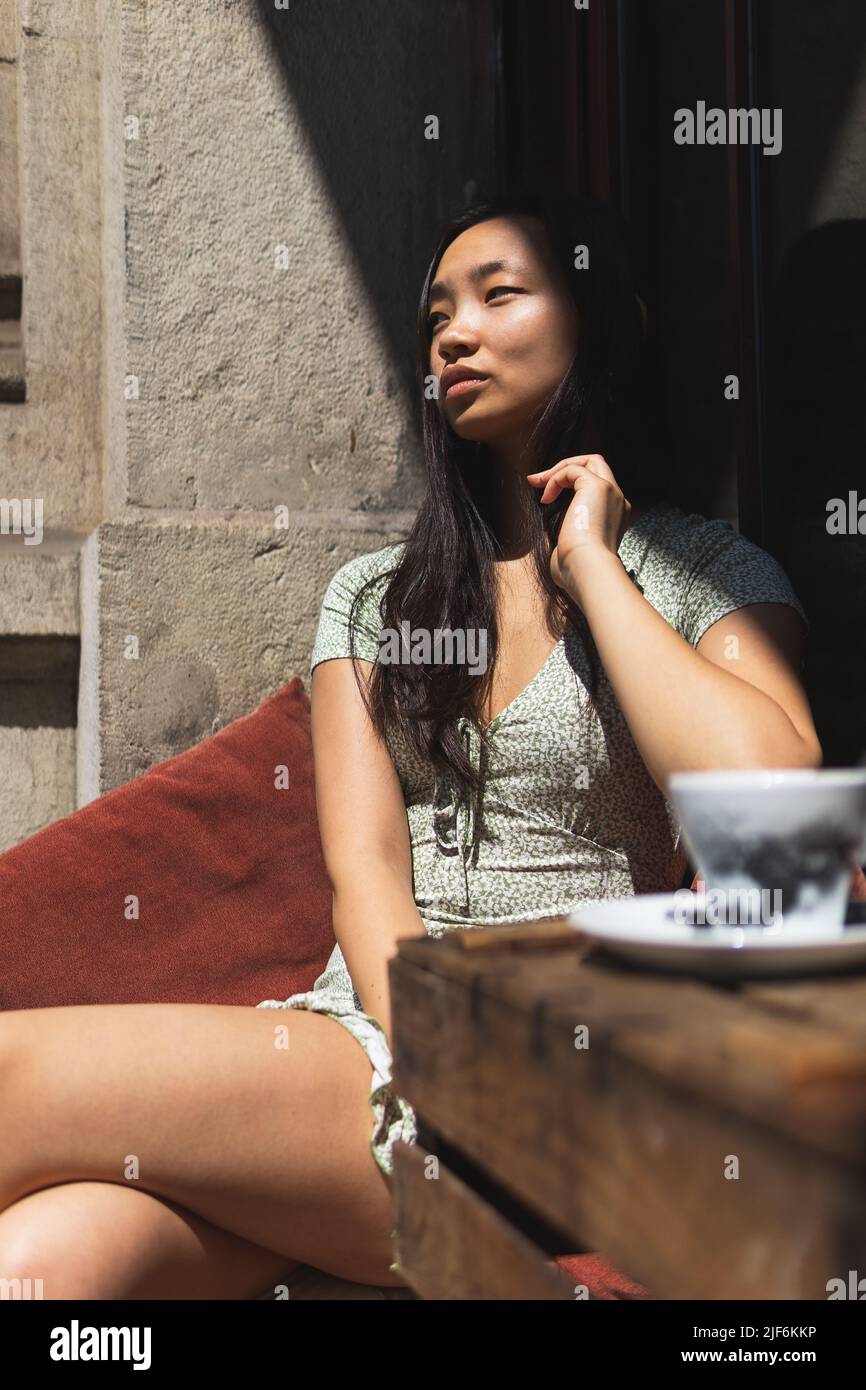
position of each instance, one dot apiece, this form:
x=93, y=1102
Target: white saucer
x=642, y=930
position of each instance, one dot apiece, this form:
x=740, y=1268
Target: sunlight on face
x=516, y=324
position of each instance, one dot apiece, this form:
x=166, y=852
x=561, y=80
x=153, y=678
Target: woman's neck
x=507, y=498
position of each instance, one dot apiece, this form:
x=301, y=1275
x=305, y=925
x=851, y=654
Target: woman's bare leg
x=257, y=1120
x=101, y=1240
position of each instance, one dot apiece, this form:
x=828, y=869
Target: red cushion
x=234, y=901
x=600, y=1278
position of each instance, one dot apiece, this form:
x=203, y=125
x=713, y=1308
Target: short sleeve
x=727, y=571
x=333, y=634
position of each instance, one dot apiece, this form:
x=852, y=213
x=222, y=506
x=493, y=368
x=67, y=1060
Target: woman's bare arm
x=365, y=833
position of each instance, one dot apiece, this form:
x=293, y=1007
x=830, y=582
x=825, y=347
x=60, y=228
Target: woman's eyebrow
x=480, y=272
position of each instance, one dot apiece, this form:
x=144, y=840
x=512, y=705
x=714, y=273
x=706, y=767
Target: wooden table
x=709, y=1141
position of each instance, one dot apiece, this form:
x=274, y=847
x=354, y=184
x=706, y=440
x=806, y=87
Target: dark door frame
x=574, y=82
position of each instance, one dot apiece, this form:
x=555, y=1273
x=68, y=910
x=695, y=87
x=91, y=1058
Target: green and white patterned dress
x=569, y=812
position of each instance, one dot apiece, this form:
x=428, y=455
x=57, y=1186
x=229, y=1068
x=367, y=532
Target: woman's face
x=516, y=324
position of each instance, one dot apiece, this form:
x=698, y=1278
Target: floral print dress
x=569, y=812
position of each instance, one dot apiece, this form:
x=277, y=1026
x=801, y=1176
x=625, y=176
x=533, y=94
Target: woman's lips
x=460, y=388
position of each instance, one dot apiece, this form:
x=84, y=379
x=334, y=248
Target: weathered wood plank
x=838, y=1001
x=803, y=1076
x=630, y=1142
x=451, y=1244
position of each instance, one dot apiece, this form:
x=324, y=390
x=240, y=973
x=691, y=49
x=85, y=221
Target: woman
x=622, y=639
x=182, y=1151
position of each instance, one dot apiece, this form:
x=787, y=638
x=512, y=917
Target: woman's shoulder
x=347, y=628
x=689, y=532
x=696, y=569
x=679, y=539
x=374, y=564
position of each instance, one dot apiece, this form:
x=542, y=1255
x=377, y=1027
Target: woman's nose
x=460, y=332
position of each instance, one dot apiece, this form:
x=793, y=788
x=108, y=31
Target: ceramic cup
x=788, y=838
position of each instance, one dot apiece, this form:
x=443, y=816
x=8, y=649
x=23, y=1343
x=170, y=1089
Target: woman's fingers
x=595, y=459
x=563, y=477
x=556, y=485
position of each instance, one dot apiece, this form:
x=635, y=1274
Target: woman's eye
x=497, y=289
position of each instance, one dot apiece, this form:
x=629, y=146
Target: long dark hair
x=606, y=403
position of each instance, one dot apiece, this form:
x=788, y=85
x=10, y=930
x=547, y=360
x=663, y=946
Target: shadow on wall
x=364, y=80
x=817, y=431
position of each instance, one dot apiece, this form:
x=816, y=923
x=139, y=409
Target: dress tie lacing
x=455, y=818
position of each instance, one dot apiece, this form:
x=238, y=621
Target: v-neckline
x=520, y=694
x=632, y=530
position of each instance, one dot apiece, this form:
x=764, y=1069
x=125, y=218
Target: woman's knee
x=104, y=1241
x=18, y=1122
x=42, y=1258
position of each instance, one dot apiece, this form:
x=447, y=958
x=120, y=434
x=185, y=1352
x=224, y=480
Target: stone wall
x=221, y=215
x=225, y=217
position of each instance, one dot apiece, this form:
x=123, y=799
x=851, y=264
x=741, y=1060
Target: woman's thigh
x=257, y=1120
x=101, y=1240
